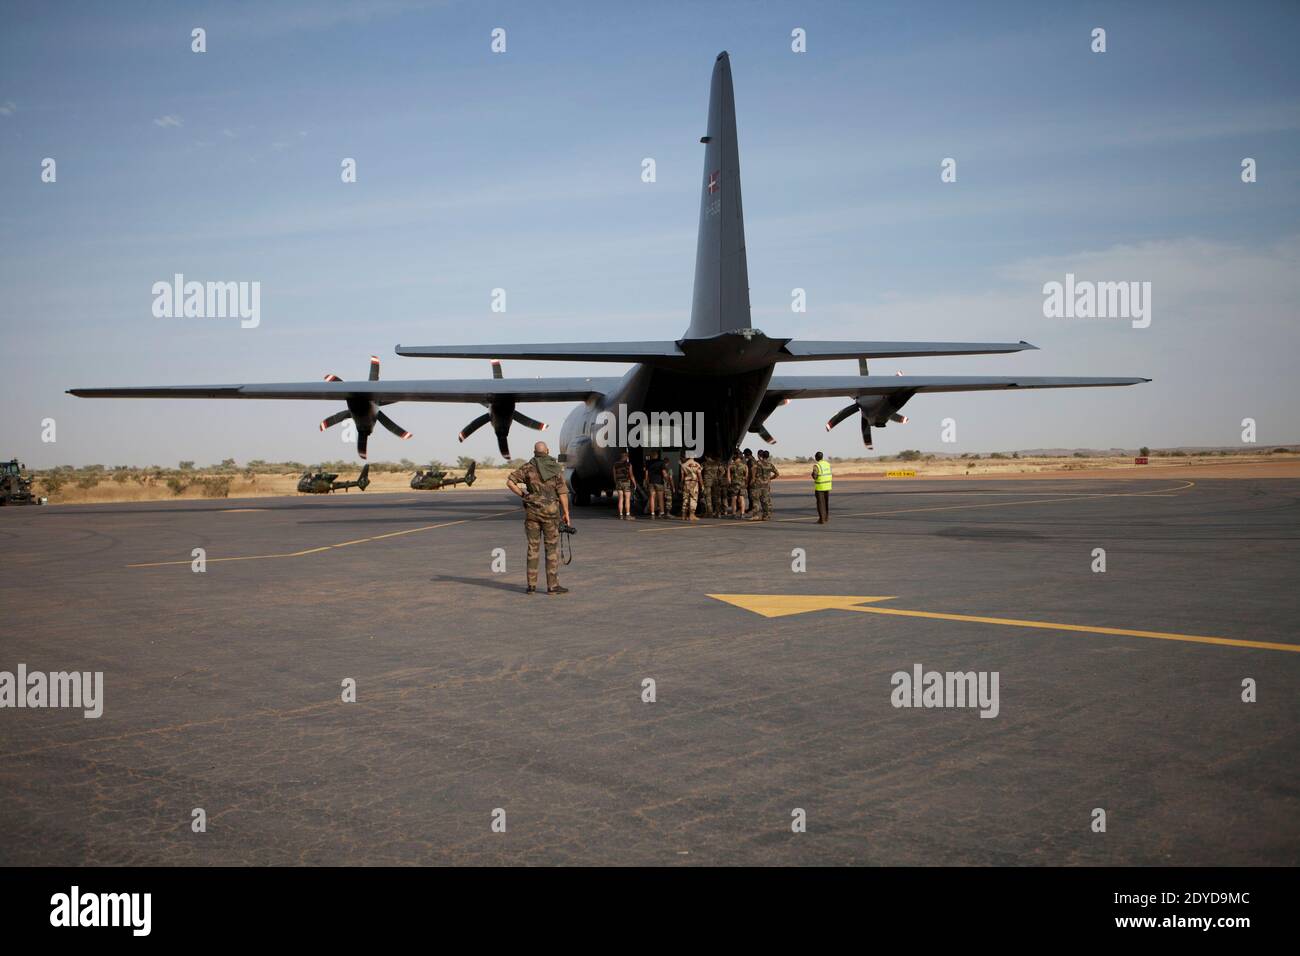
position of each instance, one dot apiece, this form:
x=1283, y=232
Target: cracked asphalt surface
x=223, y=689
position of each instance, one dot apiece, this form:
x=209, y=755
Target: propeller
x=873, y=411
x=759, y=425
x=501, y=413
x=364, y=413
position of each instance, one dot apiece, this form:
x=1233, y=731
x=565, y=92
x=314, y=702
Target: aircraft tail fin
x=363, y=480
x=469, y=474
x=721, y=299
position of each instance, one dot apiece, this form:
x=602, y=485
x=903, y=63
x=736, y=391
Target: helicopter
x=436, y=478
x=322, y=482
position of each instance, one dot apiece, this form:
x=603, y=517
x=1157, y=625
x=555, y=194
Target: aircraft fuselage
x=725, y=404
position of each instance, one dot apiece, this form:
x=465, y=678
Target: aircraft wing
x=670, y=354
x=798, y=350
x=552, y=351
x=475, y=390
x=856, y=386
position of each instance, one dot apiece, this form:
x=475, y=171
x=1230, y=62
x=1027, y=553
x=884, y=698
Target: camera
x=568, y=529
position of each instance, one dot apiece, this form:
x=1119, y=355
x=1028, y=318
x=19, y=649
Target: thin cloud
x=169, y=120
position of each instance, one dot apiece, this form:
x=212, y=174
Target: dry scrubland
x=84, y=486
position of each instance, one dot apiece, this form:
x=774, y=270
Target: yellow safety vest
x=822, y=478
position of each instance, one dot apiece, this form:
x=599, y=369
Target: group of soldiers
x=739, y=487
x=711, y=486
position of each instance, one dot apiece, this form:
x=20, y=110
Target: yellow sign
x=901, y=473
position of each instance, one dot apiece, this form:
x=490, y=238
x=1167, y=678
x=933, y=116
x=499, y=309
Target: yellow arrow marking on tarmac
x=781, y=605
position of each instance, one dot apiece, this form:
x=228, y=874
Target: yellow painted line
x=1118, y=631
x=329, y=547
x=783, y=605
x=239, y=511
x=1076, y=496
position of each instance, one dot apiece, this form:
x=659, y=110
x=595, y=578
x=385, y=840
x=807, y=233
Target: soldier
x=737, y=481
x=709, y=507
x=545, y=498
x=764, y=472
x=718, y=502
x=749, y=480
x=657, y=476
x=692, y=475
x=624, y=485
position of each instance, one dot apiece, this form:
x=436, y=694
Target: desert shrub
x=218, y=487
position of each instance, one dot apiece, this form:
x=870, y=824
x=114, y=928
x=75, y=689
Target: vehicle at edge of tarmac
x=15, y=487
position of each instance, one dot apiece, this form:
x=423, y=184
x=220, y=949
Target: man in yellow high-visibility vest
x=821, y=476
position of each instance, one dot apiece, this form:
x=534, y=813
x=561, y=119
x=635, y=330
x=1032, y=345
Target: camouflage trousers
x=760, y=496
x=708, y=493
x=540, y=532
x=690, y=498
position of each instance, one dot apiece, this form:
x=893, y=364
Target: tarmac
x=773, y=687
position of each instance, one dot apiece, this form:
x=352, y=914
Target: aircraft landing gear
x=581, y=496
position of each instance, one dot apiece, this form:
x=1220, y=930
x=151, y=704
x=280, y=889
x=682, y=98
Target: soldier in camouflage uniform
x=737, y=482
x=761, y=486
x=718, y=502
x=708, y=486
x=545, y=499
x=692, y=475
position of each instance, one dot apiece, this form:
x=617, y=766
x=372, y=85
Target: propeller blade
x=501, y=413
x=866, y=431
x=392, y=426
x=362, y=439
x=374, y=368
x=764, y=434
x=331, y=377
x=842, y=414
x=335, y=419
x=496, y=368
x=474, y=426
x=862, y=367
x=901, y=419
x=527, y=422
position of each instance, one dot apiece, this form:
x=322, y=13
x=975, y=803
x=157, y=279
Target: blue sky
x=522, y=171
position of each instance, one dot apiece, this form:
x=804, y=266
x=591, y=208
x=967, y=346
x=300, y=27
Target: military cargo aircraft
x=720, y=372
x=436, y=478
x=322, y=482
